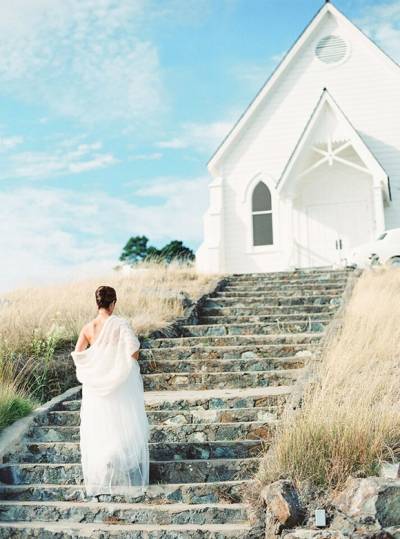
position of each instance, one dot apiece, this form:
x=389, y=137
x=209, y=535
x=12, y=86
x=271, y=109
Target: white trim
x=373, y=166
x=247, y=200
x=326, y=9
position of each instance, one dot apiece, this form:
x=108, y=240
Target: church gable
x=330, y=138
x=317, y=147
x=323, y=56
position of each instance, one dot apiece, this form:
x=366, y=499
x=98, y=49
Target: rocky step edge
x=59, y=530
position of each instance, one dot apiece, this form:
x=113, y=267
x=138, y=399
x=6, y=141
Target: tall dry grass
x=150, y=297
x=34, y=322
x=350, y=418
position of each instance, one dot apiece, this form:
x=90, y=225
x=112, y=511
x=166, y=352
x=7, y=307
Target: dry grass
x=350, y=419
x=35, y=321
x=150, y=296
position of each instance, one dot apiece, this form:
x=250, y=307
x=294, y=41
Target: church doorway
x=334, y=228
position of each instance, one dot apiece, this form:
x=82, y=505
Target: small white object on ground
x=320, y=518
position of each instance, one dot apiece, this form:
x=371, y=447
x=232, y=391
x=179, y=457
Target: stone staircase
x=213, y=398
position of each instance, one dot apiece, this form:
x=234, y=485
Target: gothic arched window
x=261, y=208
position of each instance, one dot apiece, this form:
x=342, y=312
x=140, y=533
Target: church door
x=334, y=228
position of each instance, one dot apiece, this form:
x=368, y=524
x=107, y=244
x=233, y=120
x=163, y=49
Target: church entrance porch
x=332, y=229
x=335, y=212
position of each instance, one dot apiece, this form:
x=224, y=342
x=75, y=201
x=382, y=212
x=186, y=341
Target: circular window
x=331, y=49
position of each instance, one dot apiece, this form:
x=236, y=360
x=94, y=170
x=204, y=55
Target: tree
x=175, y=250
x=135, y=249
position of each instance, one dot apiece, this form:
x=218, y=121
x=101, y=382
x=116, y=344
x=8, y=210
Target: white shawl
x=103, y=366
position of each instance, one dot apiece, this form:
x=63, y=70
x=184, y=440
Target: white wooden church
x=312, y=167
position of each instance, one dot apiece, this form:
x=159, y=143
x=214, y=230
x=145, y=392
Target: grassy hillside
x=350, y=419
x=35, y=323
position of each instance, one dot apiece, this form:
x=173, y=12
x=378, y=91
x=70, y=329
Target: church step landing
x=267, y=328
x=65, y=418
x=123, y=513
x=60, y=530
x=192, y=432
x=188, y=493
x=69, y=452
x=170, y=471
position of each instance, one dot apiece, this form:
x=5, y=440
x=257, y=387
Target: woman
x=114, y=428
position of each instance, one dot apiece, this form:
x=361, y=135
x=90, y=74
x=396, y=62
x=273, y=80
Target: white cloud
x=154, y=156
x=64, y=159
x=100, y=161
x=382, y=24
x=9, y=143
x=202, y=137
x=174, y=144
x=83, y=58
x=54, y=235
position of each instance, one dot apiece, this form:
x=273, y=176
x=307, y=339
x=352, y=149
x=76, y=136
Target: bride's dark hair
x=105, y=295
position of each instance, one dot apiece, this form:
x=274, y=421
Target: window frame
x=248, y=199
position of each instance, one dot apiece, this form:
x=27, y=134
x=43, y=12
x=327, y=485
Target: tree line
x=137, y=249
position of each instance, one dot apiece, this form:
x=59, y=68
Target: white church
x=312, y=167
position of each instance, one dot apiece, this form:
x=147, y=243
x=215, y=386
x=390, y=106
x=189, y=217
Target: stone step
x=71, y=418
x=223, y=415
x=191, y=493
x=287, y=281
x=266, y=288
x=315, y=274
x=267, y=328
x=195, y=432
x=289, y=348
x=257, y=320
x=58, y=530
x=215, y=341
x=263, y=310
x=202, y=400
x=69, y=452
x=218, y=365
x=273, y=301
x=207, y=380
x=169, y=471
x=122, y=513
x=266, y=295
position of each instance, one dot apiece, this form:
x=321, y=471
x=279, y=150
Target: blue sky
x=110, y=110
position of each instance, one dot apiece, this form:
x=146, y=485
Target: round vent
x=331, y=49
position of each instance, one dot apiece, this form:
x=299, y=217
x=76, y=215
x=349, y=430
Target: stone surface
x=372, y=502
x=214, y=393
x=282, y=504
x=390, y=470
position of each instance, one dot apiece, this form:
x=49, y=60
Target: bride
x=114, y=428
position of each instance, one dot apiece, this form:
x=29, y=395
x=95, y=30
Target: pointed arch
x=261, y=212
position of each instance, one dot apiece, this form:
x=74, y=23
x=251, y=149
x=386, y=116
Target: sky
x=110, y=110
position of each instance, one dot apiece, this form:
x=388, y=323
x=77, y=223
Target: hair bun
x=105, y=295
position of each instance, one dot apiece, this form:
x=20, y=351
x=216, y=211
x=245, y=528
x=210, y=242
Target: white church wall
x=365, y=86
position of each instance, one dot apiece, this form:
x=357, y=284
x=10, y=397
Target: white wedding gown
x=114, y=428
